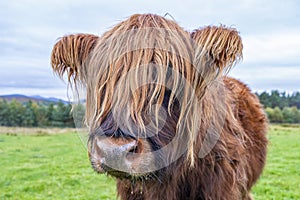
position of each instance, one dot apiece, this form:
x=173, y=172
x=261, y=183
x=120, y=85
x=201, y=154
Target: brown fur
x=202, y=101
x=229, y=170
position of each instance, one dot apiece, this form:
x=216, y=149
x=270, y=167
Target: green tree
x=295, y=115
x=275, y=115
x=264, y=98
x=294, y=100
x=4, y=112
x=291, y=115
x=275, y=99
x=30, y=116
x=16, y=113
x=42, y=118
x=284, y=102
x=50, y=114
x=287, y=115
x=62, y=115
x=270, y=113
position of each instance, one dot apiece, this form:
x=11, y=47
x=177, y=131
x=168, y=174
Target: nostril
x=136, y=148
x=134, y=151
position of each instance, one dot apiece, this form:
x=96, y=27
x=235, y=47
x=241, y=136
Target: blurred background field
x=53, y=164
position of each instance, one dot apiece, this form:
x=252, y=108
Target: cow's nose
x=116, y=154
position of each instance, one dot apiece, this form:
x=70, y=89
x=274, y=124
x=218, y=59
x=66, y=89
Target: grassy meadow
x=53, y=164
x=281, y=177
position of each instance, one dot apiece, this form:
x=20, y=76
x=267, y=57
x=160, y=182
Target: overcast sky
x=270, y=30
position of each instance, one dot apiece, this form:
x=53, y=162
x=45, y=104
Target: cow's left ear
x=69, y=55
x=217, y=49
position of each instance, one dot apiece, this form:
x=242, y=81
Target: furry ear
x=70, y=53
x=217, y=49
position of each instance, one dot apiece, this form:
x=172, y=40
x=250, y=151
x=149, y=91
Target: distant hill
x=39, y=99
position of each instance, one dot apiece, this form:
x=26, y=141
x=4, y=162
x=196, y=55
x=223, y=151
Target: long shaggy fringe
x=135, y=63
x=128, y=69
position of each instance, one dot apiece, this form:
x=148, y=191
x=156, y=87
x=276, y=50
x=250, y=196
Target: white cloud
x=277, y=48
x=260, y=78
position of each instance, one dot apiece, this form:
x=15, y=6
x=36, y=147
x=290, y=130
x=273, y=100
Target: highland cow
x=163, y=116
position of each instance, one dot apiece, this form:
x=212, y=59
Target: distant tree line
x=281, y=107
x=279, y=99
x=32, y=114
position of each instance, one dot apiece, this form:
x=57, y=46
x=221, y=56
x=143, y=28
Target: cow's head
x=145, y=79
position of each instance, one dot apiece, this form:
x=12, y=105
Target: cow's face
x=126, y=150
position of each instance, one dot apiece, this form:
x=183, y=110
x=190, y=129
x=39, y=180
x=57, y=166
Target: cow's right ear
x=69, y=55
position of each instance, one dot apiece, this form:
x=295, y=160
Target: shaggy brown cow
x=163, y=117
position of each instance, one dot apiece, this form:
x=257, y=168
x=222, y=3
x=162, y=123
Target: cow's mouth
x=104, y=169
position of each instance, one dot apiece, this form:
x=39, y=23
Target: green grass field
x=281, y=177
x=55, y=166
